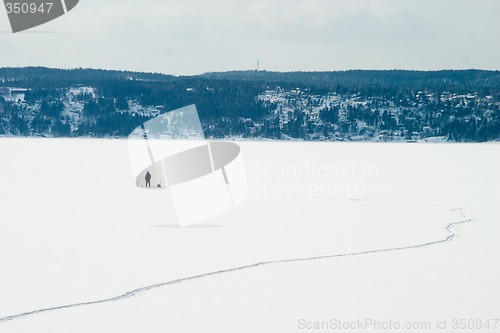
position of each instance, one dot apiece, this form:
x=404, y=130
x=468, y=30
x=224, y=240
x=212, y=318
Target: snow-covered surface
x=75, y=229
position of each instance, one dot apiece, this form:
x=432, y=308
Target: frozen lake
x=329, y=231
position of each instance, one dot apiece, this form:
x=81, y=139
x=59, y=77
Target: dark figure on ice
x=148, y=179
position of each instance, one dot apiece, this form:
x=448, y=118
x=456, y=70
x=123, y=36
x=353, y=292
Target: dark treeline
x=461, y=105
x=458, y=81
x=42, y=77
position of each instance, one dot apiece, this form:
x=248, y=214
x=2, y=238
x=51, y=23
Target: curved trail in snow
x=451, y=229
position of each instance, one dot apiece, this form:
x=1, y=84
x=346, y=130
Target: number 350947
x=28, y=8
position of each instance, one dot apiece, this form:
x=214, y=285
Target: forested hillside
x=350, y=105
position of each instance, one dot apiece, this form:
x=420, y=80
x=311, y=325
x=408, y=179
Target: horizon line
x=253, y=70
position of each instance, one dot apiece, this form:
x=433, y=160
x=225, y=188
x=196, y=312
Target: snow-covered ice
x=75, y=229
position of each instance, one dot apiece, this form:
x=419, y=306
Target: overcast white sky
x=196, y=36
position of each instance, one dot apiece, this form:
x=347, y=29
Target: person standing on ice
x=148, y=179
